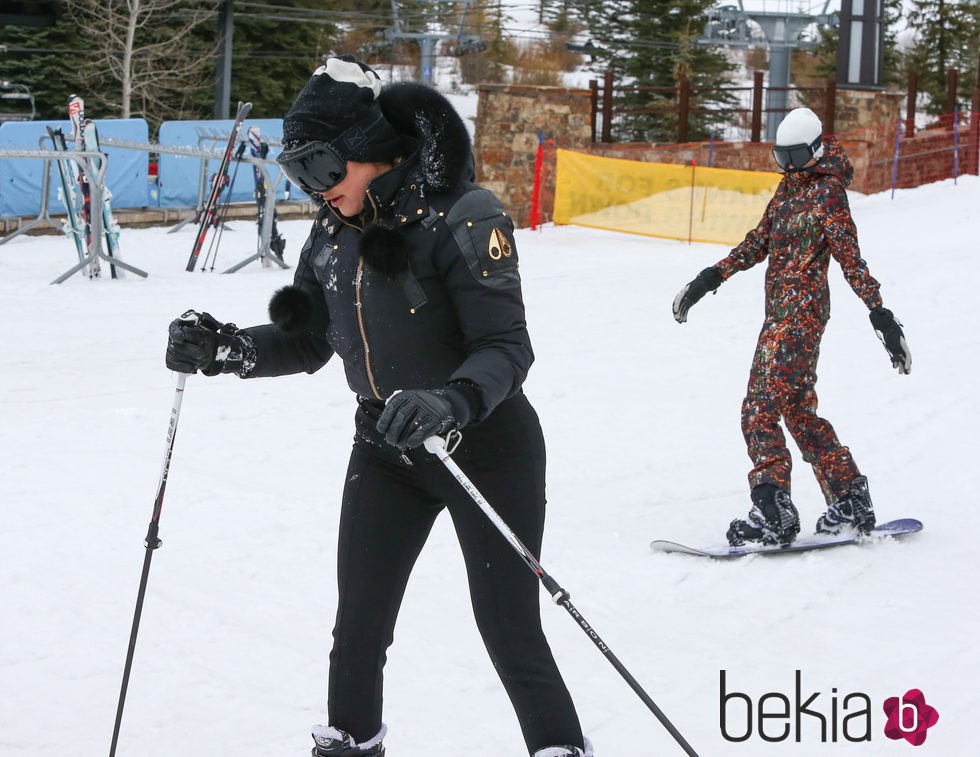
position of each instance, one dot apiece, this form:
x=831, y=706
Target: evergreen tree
x=45, y=60
x=276, y=46
x=652, y=43
x=276, y=50
x=947, y=34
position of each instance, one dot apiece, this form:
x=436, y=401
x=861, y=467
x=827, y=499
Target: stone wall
x=509, y=119
x=862, y=108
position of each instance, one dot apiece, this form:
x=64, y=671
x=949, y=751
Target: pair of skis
x=260, y=149
x=78, y=224
x=209, y=217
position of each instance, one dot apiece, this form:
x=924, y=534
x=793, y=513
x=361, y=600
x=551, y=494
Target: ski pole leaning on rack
x=209, y=216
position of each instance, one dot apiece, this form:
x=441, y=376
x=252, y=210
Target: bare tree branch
x=152, y=48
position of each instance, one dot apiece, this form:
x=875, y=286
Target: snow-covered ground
x=642, y=421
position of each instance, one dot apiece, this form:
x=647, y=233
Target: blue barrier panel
x=179, y=176
x=127, y=174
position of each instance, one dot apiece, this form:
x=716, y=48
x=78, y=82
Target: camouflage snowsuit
x=807, y=221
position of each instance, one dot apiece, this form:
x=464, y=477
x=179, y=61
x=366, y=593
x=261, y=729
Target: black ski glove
x=412, y=416
x=707, y=281
x=890, y=333
x=198, y=342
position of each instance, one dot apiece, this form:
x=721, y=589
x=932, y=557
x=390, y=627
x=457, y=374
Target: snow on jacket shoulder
x=807, y=222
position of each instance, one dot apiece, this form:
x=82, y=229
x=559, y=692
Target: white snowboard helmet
x=798, y=139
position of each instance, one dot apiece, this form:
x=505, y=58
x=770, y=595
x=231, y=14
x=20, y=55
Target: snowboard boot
x=565, y=751
x=773, y=519
x=852, y=513
x=332, y=742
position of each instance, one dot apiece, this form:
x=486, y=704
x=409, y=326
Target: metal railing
x=735, y=113
x=93, y=164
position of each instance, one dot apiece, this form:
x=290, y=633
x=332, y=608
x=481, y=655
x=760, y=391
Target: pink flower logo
x=909, y=717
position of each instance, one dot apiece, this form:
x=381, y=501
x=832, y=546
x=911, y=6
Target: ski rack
x=205, y=155
x=268, y=216
x=93, y=164
x=43, y=215
x=214, y=139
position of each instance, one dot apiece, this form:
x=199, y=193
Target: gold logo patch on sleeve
x=498, y=246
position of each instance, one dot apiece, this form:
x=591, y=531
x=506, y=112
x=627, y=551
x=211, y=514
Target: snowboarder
x=807, y=222
x=410, y=276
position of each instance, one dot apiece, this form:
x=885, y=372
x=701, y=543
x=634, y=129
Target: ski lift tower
x=427, y=39
x=728, y=25
x=861, y=47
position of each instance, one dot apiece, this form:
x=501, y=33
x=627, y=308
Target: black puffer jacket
x=422, y=289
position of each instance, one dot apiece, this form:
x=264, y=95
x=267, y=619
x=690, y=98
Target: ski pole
x=438, y=447
x=151, y=542
x=219, y=217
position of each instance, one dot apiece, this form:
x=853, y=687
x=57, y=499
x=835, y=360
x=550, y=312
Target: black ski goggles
x=314, y=167
x=794, y=157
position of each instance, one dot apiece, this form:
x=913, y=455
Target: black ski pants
x=390, y=504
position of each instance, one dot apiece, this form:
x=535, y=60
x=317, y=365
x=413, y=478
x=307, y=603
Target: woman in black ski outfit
x=410, y=276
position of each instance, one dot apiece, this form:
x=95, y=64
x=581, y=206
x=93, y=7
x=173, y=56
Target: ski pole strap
x=443, y=448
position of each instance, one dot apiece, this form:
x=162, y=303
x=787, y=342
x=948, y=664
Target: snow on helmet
x=798, y=139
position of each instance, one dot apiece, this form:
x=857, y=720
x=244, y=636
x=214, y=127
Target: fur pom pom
x=291, y=309
x=384, y=250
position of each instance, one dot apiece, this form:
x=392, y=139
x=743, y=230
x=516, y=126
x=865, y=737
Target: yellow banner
x=659, y=199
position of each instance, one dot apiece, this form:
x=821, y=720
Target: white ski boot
x=332, y=742
x=566, y=751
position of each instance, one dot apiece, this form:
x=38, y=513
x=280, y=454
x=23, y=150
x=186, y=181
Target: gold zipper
x=360, y=324
x=358, y=305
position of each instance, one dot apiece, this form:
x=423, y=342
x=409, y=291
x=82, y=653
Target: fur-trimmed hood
x=440, y=161
x=417, y=111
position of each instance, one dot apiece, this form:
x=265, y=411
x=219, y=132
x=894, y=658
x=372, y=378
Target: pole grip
x=436, y=445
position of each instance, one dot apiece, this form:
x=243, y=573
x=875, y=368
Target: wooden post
x=594, y=102
x=952, y=79
x=910, y=104
x=683, y=108
x=607, y=107
x=756, y=106
x=830, y=107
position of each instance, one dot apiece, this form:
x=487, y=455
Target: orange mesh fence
x=945, y=149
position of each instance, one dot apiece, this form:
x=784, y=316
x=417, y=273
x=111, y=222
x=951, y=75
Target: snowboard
x=891, y=529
